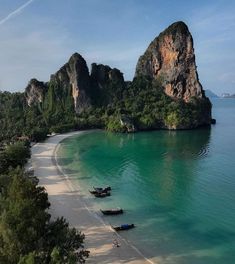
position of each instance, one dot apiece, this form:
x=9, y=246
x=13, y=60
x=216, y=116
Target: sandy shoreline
x=66, y=201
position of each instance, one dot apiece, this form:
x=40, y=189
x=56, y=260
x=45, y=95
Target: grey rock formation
x=170, y=59
x=75, y=75
x=103, y=74
x=127, y=123
x=106, y=83
x=35, y=91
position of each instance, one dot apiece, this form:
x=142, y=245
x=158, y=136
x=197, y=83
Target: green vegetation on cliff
x=143, y=102
x=165, y=94
x=148, y=107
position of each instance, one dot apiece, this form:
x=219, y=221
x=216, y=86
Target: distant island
x=210, y=94
x=227, y=95
x=164, y=94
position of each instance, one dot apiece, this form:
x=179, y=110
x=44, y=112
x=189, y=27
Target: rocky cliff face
x=170, y=59
x=34, y=91
x=74, y=74
x=102, y=74
x=106, y=83
x=170, y=98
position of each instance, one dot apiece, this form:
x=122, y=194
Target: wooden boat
x=114, y=211
x=123, y=227
x=100, y=189
x=102, y=194
x=93, y=192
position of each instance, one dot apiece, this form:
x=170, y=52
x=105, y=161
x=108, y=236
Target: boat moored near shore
x=114, y=211
x=123, y=227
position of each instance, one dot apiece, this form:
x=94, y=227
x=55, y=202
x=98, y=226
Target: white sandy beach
x=66, y=201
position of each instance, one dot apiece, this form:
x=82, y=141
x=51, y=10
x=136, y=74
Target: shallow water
x=177, y=187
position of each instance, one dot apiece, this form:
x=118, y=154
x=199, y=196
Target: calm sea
x=177, y=187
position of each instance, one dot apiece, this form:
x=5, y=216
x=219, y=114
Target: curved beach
x=66, y=200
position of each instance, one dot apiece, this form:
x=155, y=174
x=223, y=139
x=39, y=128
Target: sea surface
x=178, y=188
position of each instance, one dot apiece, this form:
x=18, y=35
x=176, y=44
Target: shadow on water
x=121, y=150
x=186, y=144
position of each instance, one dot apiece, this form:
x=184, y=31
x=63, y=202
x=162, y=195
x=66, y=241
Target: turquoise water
x=177, y=187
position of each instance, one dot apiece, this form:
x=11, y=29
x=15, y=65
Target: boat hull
x=123, y=227
x=112, y=212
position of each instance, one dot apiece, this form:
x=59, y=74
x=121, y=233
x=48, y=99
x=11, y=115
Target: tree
x=27, y=235
x=24, y=217
x=63, y=243
x=14, y=155
x=39, y=134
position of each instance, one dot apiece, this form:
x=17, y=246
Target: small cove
x=177, y=187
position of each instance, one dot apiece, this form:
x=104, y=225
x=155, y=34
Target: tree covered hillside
x=142, y=102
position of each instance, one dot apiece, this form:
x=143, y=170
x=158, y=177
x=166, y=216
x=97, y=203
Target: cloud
x=15, y=12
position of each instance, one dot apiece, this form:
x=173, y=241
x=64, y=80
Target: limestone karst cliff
x=170, y=58
x=165, y=92
x=34, y=92
x=75, y=75
x=86, y=89
x=103, y=78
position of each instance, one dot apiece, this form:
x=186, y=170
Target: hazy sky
x=38, y=36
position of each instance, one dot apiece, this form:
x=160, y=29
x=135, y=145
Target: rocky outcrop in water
x=170, y=59
x=127, y=124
